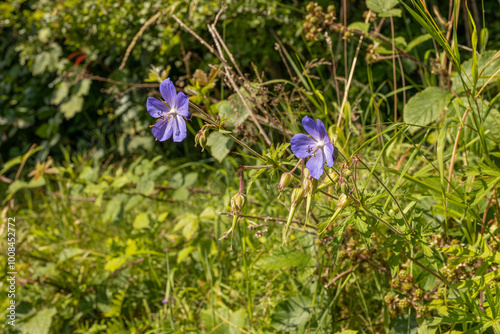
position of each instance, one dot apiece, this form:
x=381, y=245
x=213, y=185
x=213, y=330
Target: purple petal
x=162, y=129
x=322, y=132
x=328, y=150
x=311, y=127
x=302, y=146
x=181, y=104
x=316, y=164
x=167, y=90
x=155, y=107
x=179, y=128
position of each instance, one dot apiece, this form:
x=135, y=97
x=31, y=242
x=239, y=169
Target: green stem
x=245, y=265
x=386, y=223
x=390, y=194
x=213, y=122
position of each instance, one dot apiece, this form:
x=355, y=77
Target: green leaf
x=72, y=106
x=234, y=110
x=68, y=253
x=487, y=64
x=190, y=179
x=83, y=87
x=141, y=221
x=362, y=26
x=282, y=258
x=395, y=12
x=189, y=225
x=60, y=93
x=220, y=145
x=417, y=41
x=381, y=6
x=114, y=209
x=208, y=213
x=181, y=194
x=184, y=253
x=224, y=321
x=292, y=314
x=40, y=323
x=426, y=106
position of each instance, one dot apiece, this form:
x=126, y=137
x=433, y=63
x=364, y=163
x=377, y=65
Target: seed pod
x=286, y=179
x=346, y=172
x=237, y=203
x=344, y=201
x=327, y=181
x=297, y=195
x=310, y=185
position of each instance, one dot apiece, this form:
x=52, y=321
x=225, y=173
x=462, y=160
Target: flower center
x=320, y=144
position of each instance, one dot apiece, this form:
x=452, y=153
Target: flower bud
x=346, y=172
x=344, y=201
x=330, y=8
x=237, y=203
x=286, y=179
x=310, y=185
x=297, y=196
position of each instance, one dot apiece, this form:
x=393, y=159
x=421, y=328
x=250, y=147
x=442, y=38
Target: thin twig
x=279, y=221
x=201, y=40
x=348, y=85
x=138, y=35
x=211, y=28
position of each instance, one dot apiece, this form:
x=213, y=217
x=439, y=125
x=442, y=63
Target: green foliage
x=117, y=233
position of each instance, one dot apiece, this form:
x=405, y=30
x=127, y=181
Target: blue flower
x=170, y=113
x=319, y=147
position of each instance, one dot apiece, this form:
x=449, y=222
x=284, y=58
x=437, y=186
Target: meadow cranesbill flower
x=170, y=113
x=319, y=147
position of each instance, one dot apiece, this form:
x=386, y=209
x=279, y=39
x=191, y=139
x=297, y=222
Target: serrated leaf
x=40, y=323
x=381, y=6
x=426, y=106
x=292, y=314
x=487, y=64
x=282, y=258
x=141, y=221
x=233, y=110
x=60, y=93
x=220, y=145
x=71, y=107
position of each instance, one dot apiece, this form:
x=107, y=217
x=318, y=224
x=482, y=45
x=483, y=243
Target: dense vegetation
x=228, y=231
